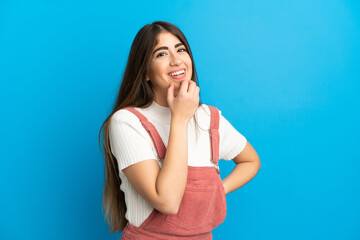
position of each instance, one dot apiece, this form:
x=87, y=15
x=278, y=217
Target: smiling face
x=169, y=63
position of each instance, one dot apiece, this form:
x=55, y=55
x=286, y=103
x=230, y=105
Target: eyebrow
x=166, y=48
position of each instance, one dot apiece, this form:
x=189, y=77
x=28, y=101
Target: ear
x=147, y=77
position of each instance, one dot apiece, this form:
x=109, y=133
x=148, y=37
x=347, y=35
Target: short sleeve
x=130, y=143
x=232, y=142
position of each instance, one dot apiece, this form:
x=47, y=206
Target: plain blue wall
x=284, y=73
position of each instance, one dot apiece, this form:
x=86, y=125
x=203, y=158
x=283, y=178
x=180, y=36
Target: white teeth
x=177, y=73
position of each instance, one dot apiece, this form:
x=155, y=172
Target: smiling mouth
x=181, y=72
x=179, y=75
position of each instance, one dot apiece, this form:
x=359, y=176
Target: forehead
x=166, y=39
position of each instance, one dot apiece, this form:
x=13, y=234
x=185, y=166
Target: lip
x=177, y=70
x=179, y=76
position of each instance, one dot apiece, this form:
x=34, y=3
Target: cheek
x=190, y=70
x=189, y=65
x=157, y=68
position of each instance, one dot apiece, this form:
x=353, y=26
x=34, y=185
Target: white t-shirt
x=130, y=143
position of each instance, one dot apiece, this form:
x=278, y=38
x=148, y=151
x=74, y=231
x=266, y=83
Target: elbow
x=170, y=208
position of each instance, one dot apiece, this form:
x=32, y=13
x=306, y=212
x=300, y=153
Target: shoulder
x=204, y=110
x=123, y=116
x=203, y=115
x=124, y=119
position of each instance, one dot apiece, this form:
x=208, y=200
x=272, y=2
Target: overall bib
x=203, y=206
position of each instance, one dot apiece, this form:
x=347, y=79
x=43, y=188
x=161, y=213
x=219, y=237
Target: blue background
x=284, y=73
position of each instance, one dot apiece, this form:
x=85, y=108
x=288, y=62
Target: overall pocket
x=196, y=205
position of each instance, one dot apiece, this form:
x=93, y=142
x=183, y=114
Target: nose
x=175, y=60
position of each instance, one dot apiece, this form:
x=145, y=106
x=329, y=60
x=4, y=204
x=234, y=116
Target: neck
x=161, y=101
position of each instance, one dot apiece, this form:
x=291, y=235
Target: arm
x=163, y=188
x=247, y=165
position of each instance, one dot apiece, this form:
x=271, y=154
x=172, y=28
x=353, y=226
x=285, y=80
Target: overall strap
x=159, y=144
x=214, y=133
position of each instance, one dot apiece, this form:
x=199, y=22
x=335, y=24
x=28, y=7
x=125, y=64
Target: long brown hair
x=134, y=91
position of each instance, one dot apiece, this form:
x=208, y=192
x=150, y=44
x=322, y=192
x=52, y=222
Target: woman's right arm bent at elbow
x=163, y=188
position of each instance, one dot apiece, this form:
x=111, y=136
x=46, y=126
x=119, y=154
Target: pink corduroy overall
x=203, y=206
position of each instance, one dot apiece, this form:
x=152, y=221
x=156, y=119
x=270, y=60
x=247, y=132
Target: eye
x=159, y=55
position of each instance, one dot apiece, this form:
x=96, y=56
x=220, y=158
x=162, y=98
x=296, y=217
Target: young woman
x=162, y=146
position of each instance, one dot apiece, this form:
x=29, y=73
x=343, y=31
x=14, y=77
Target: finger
x=192, y=87
x=184, y=86
x=196, y=92
x=170, y=93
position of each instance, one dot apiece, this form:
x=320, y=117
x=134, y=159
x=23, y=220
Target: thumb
x=170, y=93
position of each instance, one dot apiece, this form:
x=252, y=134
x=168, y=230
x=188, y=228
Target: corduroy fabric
x=214, y=134
x=159, y=144
x=203, y=206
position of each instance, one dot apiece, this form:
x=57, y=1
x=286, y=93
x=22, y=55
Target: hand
x=185, y=103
